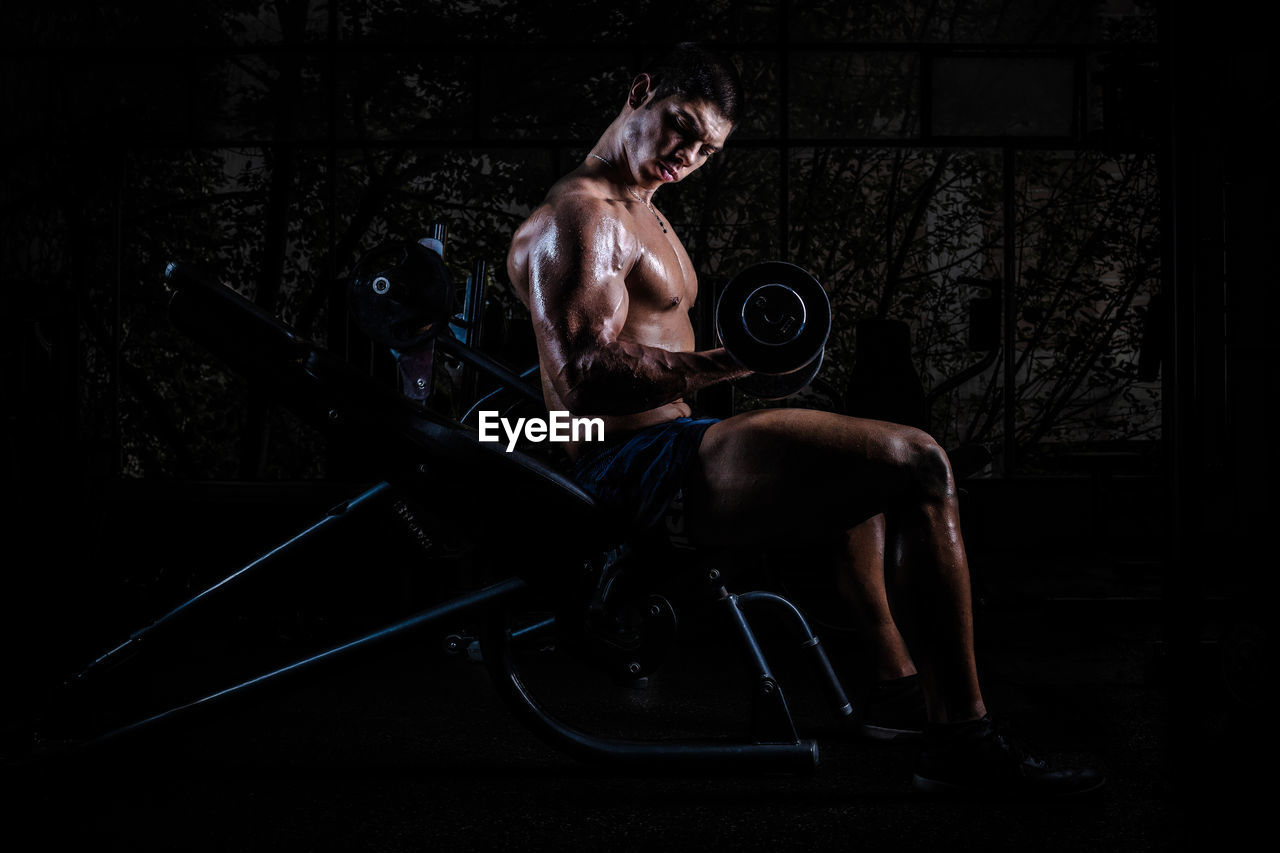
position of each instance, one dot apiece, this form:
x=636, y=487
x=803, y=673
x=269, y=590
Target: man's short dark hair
x=696, y=73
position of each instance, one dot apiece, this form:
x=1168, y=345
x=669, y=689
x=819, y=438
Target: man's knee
x=927, y=463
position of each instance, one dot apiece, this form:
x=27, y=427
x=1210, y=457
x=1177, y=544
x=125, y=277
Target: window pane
x=1089, y=265
x=1003, y=96
x=866, y=95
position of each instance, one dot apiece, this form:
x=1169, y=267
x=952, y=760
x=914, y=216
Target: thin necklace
x=637, y=196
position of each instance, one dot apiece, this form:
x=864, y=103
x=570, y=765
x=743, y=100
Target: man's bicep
x=577, y=290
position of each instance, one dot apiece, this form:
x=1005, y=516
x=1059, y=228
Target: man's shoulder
x=581, y=200
x=577, y=219
x=581, y=210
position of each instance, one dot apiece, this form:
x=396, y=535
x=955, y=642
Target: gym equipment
x=598, y=583
x=774, y=318
x=884, y=384
x=401, y=294
x=401, y=297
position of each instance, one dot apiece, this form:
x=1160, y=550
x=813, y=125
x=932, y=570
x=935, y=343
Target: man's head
x=680, y=114
x=697, y=74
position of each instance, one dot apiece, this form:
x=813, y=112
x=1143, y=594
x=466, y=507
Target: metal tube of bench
x=333, y=516
x=482, y=597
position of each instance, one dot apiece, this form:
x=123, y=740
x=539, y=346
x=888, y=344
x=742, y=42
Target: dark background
x=1119, y=555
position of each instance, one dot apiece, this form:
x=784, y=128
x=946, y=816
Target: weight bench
x=494, y=496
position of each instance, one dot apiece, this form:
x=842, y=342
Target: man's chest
x=662, y=278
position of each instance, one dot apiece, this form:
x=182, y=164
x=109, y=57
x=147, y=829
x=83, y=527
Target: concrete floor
x=410, y=748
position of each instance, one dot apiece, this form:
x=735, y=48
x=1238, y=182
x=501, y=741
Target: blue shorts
x=639, y=476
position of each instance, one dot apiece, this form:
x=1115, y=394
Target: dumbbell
x=774, y=318
x=400, y=294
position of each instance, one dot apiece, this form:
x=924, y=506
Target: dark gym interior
x=1042, y=227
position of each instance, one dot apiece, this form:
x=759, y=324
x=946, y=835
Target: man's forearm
x=621, y=377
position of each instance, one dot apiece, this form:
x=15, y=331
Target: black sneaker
x=977, y=757
x=894, y=710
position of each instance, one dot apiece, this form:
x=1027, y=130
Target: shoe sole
x=872, y=732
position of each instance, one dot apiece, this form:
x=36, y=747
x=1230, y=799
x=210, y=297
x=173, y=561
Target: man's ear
x=641, y=89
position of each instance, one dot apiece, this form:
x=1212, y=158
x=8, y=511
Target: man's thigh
x=787, y=474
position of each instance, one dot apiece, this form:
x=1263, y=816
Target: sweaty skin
x=609, y=288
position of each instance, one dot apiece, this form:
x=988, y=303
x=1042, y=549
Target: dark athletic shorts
x=639, y=476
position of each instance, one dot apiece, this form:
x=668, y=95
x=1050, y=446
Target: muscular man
x=609, y=287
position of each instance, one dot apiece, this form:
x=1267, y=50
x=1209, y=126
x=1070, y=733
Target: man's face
x=669, y=139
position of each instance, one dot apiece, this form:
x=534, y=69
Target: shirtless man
x=609, y=287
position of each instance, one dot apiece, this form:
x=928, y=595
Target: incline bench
x=413, y=451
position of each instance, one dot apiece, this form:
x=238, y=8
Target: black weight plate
x=778, y=347
x=775, y=386
x=400, y=294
